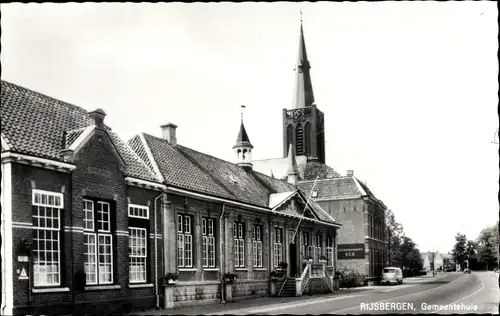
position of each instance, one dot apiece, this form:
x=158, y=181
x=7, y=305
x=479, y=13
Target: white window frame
x=277, y=246
x=329, y=251
x=306, y=237
x=239, y=244
x=134, y=211
x=317, y=248
x=257, y=246
x=185, y=241
x=208, y=242
x=138, y=254
x=53, y=201
x=98, y=233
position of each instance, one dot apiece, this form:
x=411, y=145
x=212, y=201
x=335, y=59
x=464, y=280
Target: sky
x=409, y=89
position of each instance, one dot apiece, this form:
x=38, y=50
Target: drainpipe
x=271, y=250
x=222, y=252
x=157, y=295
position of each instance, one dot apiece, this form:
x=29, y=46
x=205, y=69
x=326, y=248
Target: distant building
x=437, y=261
x=348, y=200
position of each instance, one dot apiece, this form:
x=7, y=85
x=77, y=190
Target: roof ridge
x=52, y=99
x=217, y=158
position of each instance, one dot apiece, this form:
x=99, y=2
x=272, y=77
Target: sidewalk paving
x=246, y=303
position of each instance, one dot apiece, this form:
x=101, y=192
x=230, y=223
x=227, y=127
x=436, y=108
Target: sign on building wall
x=350, y=251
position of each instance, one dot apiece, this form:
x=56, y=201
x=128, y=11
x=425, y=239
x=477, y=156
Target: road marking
x=393, y=298
x=463, y=298
x=399, y=287
x=282, y=306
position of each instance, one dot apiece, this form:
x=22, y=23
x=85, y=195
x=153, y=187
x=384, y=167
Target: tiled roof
x=71, y=136
x=345, y=187
x=41, y=126
x=192, y=170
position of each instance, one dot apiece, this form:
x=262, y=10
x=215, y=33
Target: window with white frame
x=208, y=242
x=329, y=251
x=138, y=245
x=184, y=241
x=278, y=246
x=306, y=238
x=98, y=242
x=138, y=211
x=257, y=246
x=239, y=244
x=47, y=213
x=138, y=254
x=317, y=248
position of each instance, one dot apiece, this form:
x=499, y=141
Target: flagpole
x=307, y=203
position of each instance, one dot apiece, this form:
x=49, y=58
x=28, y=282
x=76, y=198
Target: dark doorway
x=293, y=260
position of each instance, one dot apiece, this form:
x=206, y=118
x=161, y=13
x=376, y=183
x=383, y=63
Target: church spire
x=303, y=94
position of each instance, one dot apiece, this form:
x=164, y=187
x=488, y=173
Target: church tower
x=303, y=124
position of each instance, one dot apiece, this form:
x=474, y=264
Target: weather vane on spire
x=301, y=15
x=242, y=107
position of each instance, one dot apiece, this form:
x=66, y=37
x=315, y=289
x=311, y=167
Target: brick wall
x=98, y=175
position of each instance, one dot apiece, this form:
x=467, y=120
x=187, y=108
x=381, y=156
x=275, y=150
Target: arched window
x=289, y=136
x=307, y=139
x=299, y=134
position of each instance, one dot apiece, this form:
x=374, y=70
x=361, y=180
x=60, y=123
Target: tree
x=410, y=258
x=314, y=169
x=459, y=251
x=487, y=245
x=393, y=236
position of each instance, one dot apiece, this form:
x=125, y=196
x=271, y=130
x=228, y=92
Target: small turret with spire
x=243, y=147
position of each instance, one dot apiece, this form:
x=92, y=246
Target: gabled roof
x=188, y=169
x=336, y=188
x=37, y=125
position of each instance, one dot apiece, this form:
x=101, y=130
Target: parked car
x=392, y=275
x=467, y=271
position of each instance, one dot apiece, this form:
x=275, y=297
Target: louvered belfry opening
x=299, y=134
x=307, y=136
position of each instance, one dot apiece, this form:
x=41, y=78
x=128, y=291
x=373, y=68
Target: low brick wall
x=319, y=286
x=250, y=289
x=196, y=294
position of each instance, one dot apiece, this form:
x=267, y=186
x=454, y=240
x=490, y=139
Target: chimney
x=168, y=133
x=97, y=118
x=350, y=173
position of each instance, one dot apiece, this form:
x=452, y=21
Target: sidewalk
x=247, y=303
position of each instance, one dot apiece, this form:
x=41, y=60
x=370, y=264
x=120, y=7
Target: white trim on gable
x=156, y=169
x=82, y=139
x=5, y=143
x=145, y=184
x=360, y=188
x=37, y=162
x=7, y=241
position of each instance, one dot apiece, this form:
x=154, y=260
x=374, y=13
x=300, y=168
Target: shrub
x=230, y=278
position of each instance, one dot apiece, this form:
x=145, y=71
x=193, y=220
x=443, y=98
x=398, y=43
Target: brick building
x=91, y=223
x=347, y=199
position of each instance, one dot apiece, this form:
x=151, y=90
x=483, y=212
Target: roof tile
x=38, y=125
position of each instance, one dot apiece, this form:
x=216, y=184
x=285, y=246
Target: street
x=454, y=292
